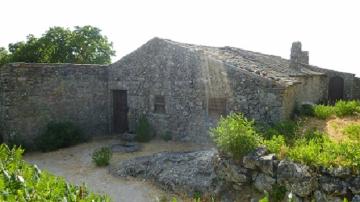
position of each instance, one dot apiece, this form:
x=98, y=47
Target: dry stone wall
x=32, y=95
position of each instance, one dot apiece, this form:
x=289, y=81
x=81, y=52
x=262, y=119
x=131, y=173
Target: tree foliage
x=61, y=45
x=3, y=56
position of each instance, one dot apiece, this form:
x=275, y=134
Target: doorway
x=120, y=110
x=336, y=89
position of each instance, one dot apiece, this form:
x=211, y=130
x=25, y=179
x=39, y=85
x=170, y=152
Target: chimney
x=297, y=55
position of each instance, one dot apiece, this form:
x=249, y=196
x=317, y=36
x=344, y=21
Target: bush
x=102, y=156
x=345, y=108
x=59, y=135
x=20, y=181
x=286, y=128
x=306, y=110
x=276, y=145
x=166, y=136
x=236, y=135
x=323, y=111
x=144, y=132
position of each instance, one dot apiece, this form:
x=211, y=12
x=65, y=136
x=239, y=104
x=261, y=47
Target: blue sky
x=328, y=29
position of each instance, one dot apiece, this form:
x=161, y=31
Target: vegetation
x=236, y=135
x=59, y=135
x=20, y=181
x=102, y=156
x=61, y=45
x=144, y=131
x=341, y=108
x=166, y=136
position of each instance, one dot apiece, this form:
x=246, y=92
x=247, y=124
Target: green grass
x=21, y=181
x=352, y=131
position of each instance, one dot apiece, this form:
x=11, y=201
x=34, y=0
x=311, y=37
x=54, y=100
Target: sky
x=329, y=30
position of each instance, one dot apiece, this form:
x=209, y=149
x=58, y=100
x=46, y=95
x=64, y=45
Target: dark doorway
x=336, y=89
x=120, y=110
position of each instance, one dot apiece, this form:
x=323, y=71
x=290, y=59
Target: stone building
x=181, y=88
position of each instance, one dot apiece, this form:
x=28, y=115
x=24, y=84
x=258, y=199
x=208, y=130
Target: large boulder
x=189, y=172
x=333, y=186
x=297, y=178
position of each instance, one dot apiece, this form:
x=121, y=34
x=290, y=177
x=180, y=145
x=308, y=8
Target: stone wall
x=31, y=95
x=188, y=79
x=356, y=89
x=348, y=80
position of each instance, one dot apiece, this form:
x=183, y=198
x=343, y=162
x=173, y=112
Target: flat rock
x=187, y=172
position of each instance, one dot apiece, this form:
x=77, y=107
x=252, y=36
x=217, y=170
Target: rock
x=125, y=147
x=297, y=178
x=340, y=172
x=264, y=182
x=333, y=186
x=187, y=172
x=320, y=196
x=289, y=196
x=228, y=171
x=356, y=198
x=355, y=185
x=251, y=159
x=267, y=164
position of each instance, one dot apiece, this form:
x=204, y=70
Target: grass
x=340, y=109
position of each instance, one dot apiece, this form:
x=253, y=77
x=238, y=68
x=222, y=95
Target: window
x=217, y=106
x=159, y=104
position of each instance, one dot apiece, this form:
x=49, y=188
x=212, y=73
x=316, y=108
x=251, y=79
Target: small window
x=217, y=106
x=159, y=104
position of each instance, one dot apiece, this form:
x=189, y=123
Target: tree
x=61, y=45
x=3, y=56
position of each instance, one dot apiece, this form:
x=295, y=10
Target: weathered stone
x=356, y=198
x=230, y=172
x=333, y=186
x=125, y=147
x=289, y=196
x=264, y=182
x=267, y=164
x=319, y=196
x=297, y=178
x=251, y=160
x=340, y=172
x=355, y=185
x=187, y=172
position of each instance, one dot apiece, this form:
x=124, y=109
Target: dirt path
x=75, y=165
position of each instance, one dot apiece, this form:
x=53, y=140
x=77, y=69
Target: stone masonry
x=31, y=95
x=182, y=89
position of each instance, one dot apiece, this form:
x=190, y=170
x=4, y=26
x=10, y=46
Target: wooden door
x=120, y=110
x=336, y=89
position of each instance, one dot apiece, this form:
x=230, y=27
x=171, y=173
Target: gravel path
x=75, y=165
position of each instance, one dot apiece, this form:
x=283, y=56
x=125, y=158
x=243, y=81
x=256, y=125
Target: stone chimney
x=297, y=55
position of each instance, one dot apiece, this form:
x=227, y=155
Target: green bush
x=277, y=193
x=286, y=128
x=20, y=181
x=102, y=156
x=236, y=135
x=59, y=135
x=166, y=136
x=144, y=132
x=345, y=108
x=323, y=111
x=275, y=144
x=306, y=110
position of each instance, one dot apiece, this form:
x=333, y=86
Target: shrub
x=306, y=110
x=345, y=108
x=286, y=128
x=166, y=136
x=323, y=111
x=353, y=131
x=59, y=135
x=20, y=181
x=277, y=193
x=235, y=135
x=144, y=132
x=102, y=156
x=276, y=144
